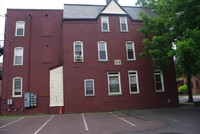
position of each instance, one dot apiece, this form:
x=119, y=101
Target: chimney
x=108, y=1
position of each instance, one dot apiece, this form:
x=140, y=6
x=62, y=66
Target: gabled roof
x=82, y=11
x=77, y=12
x=113, y=8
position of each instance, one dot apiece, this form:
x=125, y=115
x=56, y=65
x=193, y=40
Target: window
x=89, y=87
x=17, y=87
x=130, y=50
x=159, y=81
x=102, y=51
x=20, y=28
x=18, y=56
x=133, y=82
x=105, y=24
x=78, y=51
x=123, y=24
x=114, y=83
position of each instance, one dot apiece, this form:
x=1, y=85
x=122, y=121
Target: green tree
x=177, y=24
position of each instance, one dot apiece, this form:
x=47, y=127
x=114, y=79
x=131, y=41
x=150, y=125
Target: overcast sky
x=46, y=4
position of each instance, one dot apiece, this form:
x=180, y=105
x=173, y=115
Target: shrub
x=183, y=89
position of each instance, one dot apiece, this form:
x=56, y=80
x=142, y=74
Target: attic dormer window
x=105, y=24
x=123, y=24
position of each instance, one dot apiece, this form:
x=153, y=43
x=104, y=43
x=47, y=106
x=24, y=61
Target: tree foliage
x=178, y=24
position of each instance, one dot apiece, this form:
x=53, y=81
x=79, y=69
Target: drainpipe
x=29, y=51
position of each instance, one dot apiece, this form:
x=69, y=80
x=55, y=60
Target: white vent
x=117, y=62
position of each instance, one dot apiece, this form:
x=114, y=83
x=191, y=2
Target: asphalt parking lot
x=179, y=120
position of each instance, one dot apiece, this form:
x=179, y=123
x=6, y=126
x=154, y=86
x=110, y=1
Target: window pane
x=123, y=27
x=89, y=87
x=130, y=51
x=133, y=82
x=102, y=55
x=134, y=87
x=17, y=89
x=130, y=54
x=114, y=84
x=104, y=24
x=159, y=81
x=102, y=51
x=158, y=78
x=123, y=23
x=158, y=86
x=105, y=27
x=18, y=60
x=78, y=50
x=18, y=51
x=20, y=31
x=20, y=28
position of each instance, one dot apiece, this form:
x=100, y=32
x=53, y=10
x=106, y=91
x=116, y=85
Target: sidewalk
x=184, y=98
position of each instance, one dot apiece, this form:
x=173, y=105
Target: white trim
x=107, y=22
x=158, y=72
x=13, y=89
x=17, y=26
x=105, y=43
x=92, y=86
x=118, y=75
x=20, y=55
x=81, y=56
x=120, y=19
x=133, y=47
x=137, y=82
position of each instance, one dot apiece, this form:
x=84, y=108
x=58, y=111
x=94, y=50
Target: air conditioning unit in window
x=78, y=58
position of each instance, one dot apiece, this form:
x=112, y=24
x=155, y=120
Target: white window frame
x=105, y=19
x=116, y=74
x=133, y=48
x=121, y=23
x=81, y=58
x=85, y=88
x=158, y=72
x=133, y=73
x=15, y=55
x=18, y=26
x=106, y=52
x=13, y=91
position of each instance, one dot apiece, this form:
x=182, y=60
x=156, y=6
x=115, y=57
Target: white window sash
x=133, y=74
x=17, y=89
x=18, y=55
x=105, y=50
x=159, y=73
x=127, y=50
x=117, y=81
x=105, y=20
x=80, y=54
x=20, y=25
x=123, y=21
x=86, y=88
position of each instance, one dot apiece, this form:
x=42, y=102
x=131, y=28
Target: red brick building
x=84, y=58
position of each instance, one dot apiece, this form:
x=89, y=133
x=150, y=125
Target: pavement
x=184, y=119
x=184, y=98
